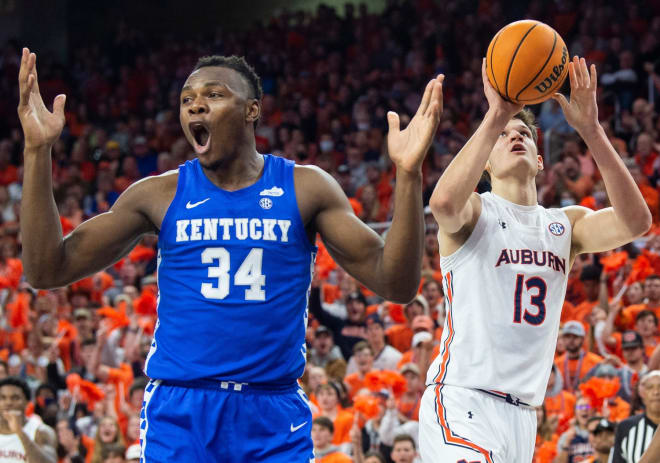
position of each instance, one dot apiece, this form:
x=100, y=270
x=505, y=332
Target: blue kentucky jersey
x=234, y=271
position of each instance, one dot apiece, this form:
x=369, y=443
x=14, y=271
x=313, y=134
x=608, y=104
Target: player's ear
x=539, y=162
x=252, y=110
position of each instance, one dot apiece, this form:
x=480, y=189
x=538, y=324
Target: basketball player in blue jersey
x=236, y=253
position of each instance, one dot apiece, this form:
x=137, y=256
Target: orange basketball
x=527, y=62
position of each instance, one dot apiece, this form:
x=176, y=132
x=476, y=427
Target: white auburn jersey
x=11, y=447
x=504, y=291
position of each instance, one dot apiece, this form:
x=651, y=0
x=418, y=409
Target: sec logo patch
x=266, y=203
x=556, y=228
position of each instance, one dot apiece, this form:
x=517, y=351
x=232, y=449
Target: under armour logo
x=502, y=224
x=470, y=415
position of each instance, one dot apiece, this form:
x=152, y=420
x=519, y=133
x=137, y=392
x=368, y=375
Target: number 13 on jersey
x=536, y=288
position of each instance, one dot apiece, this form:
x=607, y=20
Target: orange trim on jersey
x=449, y=437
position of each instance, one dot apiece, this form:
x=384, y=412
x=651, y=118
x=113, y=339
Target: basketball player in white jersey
x=22, y=439
x=505, y=262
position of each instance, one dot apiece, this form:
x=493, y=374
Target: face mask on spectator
x=326, y=145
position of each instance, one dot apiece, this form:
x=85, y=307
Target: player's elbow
x=442, y=205
x=40, y=278
x=402, y=294
x=643, y=224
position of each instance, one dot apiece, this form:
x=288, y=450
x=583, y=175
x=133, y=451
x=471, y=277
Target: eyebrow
x=211, y=83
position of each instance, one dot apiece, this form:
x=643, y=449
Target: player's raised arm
x=48, y=259
x=629, y=216
x=391, y=268
x=450, y=200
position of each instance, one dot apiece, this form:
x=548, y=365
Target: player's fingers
x=594, y=76
x=585, y=73
x=484, y=75
x=24, y=91
x=426, y=97
x=572, y=77
x=58, y=106
x=393, y=122
x=22, y=70
x=441, y=97
x=434, y=97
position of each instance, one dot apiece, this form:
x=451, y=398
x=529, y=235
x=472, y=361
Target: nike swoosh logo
x=190, y=205
x=295, y=428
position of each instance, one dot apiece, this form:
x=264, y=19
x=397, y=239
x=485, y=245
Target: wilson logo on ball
x=556, y=73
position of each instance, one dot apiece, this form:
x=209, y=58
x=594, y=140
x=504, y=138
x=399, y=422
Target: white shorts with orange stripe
x=460, y=425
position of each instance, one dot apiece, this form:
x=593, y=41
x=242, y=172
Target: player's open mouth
x=518, y=148
x=201, y=137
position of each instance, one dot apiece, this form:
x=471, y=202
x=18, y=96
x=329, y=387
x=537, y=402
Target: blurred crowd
x=328, y=81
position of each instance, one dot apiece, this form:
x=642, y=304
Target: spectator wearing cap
x=400, y=335
x=364, y=359
x=575, y=362
x=408, y=403
x=324, y=351
x=646, y=326
x=633, y=435
x=601, y=438
x=424, y=350
x=346, y=332
x=386, y=357
x=590, y=278
x=329, y=397
x=324, y=450
x=558, y=402
x=634, y=364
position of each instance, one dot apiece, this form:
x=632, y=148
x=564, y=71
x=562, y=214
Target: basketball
x=527, y=62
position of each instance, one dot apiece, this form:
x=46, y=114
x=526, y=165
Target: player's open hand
x=496, y=103
x=582, y=111
x=41, y=128
x=408, y=147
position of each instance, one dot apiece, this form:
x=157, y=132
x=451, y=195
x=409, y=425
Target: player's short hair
x=647, y=313
x=17, y=382
x=325, y=422
x=238, y=64
x=654, y=276
x=404, y=438
x=362, y=345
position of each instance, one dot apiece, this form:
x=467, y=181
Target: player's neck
x=237, y=170
x=515, y=191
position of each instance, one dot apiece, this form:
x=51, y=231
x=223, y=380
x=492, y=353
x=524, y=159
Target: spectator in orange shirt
x=324, y=450
x=328, y=396
x=575, y=363
x=424, y=349
x=364, y=359
x=574, y=181
x=652, y=302
x=590, y=277
x=400, y=335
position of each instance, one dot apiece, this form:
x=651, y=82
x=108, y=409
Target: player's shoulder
x=318, y=186
x=151, y=189
x=574, y=213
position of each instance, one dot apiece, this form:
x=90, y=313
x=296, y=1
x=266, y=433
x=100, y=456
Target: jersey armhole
x=466, y=248
x=180, y=184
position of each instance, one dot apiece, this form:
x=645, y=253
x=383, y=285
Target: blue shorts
x=225, y=422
